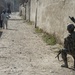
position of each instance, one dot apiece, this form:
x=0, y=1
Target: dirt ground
x=23, y=52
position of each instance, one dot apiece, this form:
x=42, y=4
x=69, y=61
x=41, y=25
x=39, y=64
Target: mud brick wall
x=53, y=15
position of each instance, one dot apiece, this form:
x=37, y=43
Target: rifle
x=59, y=52
x=72, y=19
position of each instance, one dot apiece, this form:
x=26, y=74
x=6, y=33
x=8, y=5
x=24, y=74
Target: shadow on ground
x=13, y=29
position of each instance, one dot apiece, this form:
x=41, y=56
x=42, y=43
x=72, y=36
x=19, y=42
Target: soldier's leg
x=6, y=24
x=64, y=57
x=3, y=25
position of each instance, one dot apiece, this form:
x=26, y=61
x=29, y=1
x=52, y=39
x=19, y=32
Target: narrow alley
x=23, y=52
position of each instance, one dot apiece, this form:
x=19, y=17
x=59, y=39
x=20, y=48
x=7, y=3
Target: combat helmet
x=70, y=28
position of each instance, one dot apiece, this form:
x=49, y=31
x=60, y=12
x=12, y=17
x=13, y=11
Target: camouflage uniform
x=69, y=45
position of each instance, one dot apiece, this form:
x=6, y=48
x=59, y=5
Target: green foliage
x=29, y=22
x=38, y=30
x=49, y=39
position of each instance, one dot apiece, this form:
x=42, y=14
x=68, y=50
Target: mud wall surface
x=53, y=15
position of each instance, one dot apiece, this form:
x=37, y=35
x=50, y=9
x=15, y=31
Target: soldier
x=69, y=46
x=4, y=17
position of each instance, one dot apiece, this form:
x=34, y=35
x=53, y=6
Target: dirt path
x=22, y=52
